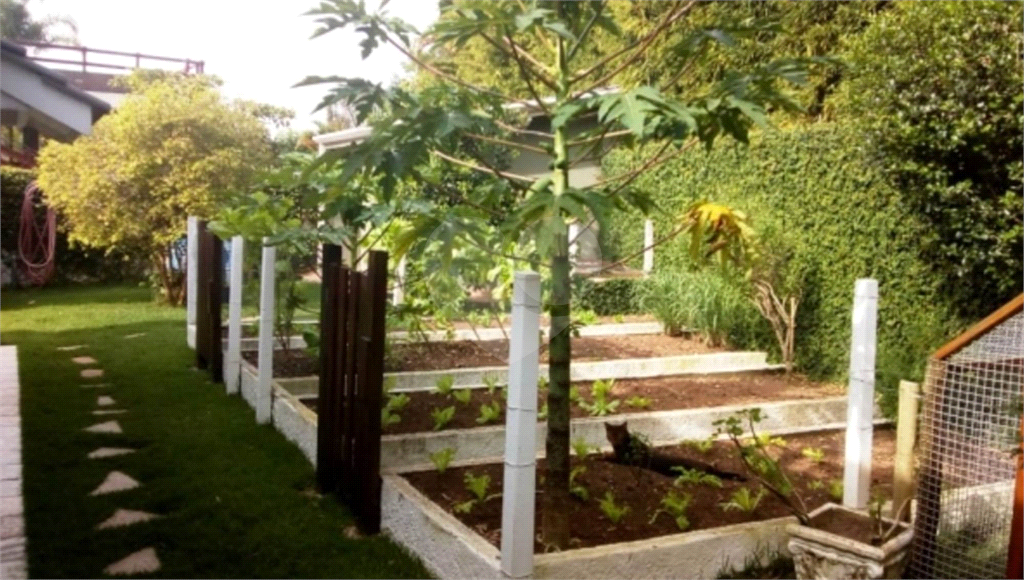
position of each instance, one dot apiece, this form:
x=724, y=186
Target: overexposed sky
x=260, y=48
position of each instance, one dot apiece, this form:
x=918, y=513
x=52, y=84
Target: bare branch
x=525, y=75
x=586, y=30
x=604, y=135
x=651, y=163
x=505, y=142
x=638, y=52
x=491, y=170
x=623, y=261
x=512, y=129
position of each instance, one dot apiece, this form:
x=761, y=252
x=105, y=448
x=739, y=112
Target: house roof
x=19, y=54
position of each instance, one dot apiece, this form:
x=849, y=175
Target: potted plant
x=832, y=541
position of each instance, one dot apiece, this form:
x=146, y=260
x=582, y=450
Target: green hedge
x=841, y=218
x=607, y=297
x=74, y=264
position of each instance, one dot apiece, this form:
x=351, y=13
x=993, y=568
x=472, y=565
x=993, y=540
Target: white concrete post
x=191, y=279
x=648, y=249
x=861, y=396
x=519, y=490
x=574, y=239
x=233, y=365
x=398, y=291
x=266, y=341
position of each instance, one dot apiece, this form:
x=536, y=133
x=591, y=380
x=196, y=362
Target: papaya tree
x=451, y=119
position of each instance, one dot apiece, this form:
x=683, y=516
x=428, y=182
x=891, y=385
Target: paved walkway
x=13, y=563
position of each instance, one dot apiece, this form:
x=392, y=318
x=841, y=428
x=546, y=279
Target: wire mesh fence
x=970, y=433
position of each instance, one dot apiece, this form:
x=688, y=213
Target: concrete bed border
x=449, y=549
x=613, y=329
x=631, y=368
x=405, y=452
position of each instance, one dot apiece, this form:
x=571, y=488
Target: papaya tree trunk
x=555, y=515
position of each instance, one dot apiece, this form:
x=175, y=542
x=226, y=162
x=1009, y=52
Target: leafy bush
x=841, y=220
x=606, y=298
x=705, y=301
x=936, y=86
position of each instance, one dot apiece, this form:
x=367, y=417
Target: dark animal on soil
x=633, y=450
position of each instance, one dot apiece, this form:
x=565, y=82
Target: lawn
x=238, y=499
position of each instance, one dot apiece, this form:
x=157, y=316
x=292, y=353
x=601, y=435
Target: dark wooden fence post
x=330, y=292
x=352, y=318
x=209, y=296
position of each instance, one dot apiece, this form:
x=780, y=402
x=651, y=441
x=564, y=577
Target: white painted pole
x=398, y=291
x=574, y=246
x=266, y=341
x=191, y=279
x=234, y=361
x=648, y=249
x=517, y=508
x=861, y=397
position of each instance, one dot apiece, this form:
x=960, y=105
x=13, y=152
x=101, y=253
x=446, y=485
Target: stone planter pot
x=824, y=555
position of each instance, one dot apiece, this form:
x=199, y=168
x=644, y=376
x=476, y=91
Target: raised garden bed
x=660, y=394
x=642, y=490
x=433, y=356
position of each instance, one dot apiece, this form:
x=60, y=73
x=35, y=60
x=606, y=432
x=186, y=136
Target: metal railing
x=189, y=65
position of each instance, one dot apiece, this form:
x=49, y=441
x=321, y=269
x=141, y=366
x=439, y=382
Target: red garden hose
x=36, y=242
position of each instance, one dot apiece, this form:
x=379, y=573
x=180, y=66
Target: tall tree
x=449, y=117
x=171, y=149
x=16, y=23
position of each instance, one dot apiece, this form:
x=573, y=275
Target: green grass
x=239, y=500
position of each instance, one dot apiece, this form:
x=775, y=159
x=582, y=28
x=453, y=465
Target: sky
x=259, y=48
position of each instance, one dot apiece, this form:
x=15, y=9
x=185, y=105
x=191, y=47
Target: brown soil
x=843, y=523
x=666, y=393
x=428, y=356
x=642, y=490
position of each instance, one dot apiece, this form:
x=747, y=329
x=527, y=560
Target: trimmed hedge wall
x=842, y=219
x=607, y=297
x=74, y=264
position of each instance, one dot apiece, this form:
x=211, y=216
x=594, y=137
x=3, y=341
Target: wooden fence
x=209, y=295
x=352, y=313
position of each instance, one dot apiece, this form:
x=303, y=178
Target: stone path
x=13, y=562
x=145, y=560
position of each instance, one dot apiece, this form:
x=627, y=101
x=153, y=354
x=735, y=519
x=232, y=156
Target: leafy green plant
x=766, y=440
x=442, y=458
x=443, y=385
x=815, y=484
x=462, y=395
x=574, y=394
x=702, y=445
x=491, y=382
x=613, y=512
x=835, y=489
x=638, y=402
x=388, y=418
x=477, y=485
x=442, y=417
x=754, y=452
x=542, y=414
x=581, y=447
x=542, y=384
x=489, y=413
x=577, y=489
x=464, y=507
x=397, y=402
x=815, y=454
x=619, y=318
x=586, y=317
x=602, y=404
x=675, y=506
x=743, y=500
x=695, y=477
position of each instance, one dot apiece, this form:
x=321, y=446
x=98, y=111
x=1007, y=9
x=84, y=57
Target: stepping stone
x=103, y=452
x=115, y=481
x=83, y=360
x=104, y=401
x=72, y=347
x=91, y=373
x=142, y=562
x=136, y=335
x=107, y=427
x=122, y=518
x=97, y=386
x=109, y=411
